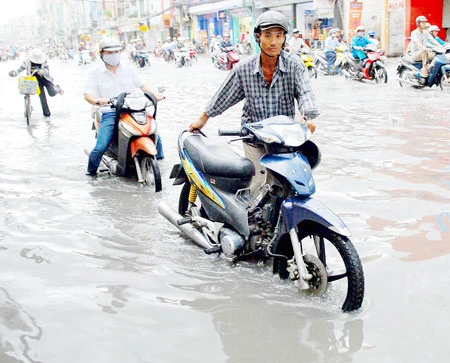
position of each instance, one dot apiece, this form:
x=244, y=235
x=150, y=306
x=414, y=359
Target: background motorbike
x=182, y=57
x=309, y=244
x=373, y=68
x=133, y=149
x=321, y=63
x=408, y=71
x=307, y=58
x=224, y=58
x=142, y=58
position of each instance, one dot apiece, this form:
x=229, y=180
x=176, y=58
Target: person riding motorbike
x=358, y=43
x=37, y=62
x=296, y=43
x=103, y=84
x=331, y=43
x=434, y=30
x=226, y=42
x=269, y=82
x=418, y=46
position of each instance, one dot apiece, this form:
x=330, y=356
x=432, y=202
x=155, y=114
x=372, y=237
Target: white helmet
x=38, y=56
x=109, y=44
x=360, y=28
x=433, y=28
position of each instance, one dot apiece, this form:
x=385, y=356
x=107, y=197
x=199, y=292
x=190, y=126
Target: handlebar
x=230, y=132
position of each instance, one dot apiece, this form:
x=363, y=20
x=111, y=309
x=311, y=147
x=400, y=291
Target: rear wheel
x=185, y=207
x=406, y=77
x=345, y=276
x=444, y=83
x=150, y=173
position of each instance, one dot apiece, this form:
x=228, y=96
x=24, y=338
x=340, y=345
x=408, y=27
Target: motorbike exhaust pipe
x=173, y=217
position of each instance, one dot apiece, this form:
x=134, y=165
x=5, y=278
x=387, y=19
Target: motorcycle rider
x=418, y=45
x=37, y=61
x=296, y=43
x=434, y=30
x=358, y=43
x=269, y=82
x=103, y=84
x=331, y=43
x=372, y=38
x=226, y=42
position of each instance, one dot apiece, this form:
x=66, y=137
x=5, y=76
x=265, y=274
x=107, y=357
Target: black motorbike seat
x=217, y=159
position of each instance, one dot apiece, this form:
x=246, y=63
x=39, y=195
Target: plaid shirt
x=290, y=82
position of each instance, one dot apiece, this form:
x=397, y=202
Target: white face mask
x=112, y=59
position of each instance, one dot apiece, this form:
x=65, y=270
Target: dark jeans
x=52, y=91
x=331, y=58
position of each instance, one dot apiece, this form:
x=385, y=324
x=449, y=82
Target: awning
x=214, y=7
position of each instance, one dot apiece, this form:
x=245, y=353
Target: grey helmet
x=270, y=19
x=109, y=44
x=420, y=19
x=38, y=56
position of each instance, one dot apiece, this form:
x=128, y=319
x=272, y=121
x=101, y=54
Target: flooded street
x=90, y=272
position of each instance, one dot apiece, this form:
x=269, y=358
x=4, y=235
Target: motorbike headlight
x=140, y=117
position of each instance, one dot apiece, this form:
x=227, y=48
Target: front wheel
x=345, y=276
x=150, y=172
x=380, y=75
x=27, y=108
x=444, y=83
x=312, y=71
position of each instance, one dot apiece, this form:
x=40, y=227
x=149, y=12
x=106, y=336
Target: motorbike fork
x=304, y=275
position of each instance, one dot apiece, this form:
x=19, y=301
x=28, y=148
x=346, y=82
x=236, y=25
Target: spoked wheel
x=27, y=110
x=380, y=75
x=345, y=276
x=444, y=83
x=406, y=77
x=150, y=172
x=312, y=71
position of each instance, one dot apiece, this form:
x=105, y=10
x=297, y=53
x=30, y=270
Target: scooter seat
x=217, y=159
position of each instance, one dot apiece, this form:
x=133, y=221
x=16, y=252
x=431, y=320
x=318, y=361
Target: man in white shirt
x=418, y=46
x=296, y=43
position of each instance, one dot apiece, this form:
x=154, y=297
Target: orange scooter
x=132, y=153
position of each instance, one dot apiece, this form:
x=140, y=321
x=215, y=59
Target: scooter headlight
x=140, y=117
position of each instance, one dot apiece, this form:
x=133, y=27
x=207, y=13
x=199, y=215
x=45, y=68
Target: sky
x=11, y=9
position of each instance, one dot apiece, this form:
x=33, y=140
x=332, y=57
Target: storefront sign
x=396, y=4
x=354, y=17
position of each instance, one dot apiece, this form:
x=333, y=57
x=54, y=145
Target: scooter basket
x=28, y=85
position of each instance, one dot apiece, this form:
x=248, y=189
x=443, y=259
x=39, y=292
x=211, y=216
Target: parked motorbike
x=182, y=57
x=309, y=244
x=142, y=58
x=321, y=62
x=408, y=71
x=372, y=68
x=224, y=58
x=133, y=150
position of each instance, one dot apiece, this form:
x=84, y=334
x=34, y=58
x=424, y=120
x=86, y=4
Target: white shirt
x=104, y=84
x=295, y=44
x=421, y=37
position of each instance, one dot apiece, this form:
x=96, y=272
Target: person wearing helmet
x=226, y=42
x=269, y=83
x=107, y=82
x=296, y=43
x=434, y=30
x=37, y=65
x=420, y=38
x=372, y=38
x=358, y=43
x=331, y=43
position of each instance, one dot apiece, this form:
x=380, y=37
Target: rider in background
x=105, y=83
x=434, y=30
x=331, y=43
x=226, y=42
x=372, y=38
x=420, y=38
x=296, y=43
x=358, y=43
x=270, y=83
x=37, y=62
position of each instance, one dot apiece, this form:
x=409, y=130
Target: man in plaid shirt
x=269, y=83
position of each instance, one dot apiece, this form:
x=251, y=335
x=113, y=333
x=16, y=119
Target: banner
x=354, y=19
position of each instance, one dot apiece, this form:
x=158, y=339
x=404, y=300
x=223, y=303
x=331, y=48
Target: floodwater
x=91, y=273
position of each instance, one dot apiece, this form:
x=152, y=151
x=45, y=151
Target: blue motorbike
x=142, y=58
x=408, y=71
x=306, y=242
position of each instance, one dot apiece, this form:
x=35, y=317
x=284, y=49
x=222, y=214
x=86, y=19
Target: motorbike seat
x=217, y=159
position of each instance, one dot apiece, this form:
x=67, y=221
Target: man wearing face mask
x=105, y=83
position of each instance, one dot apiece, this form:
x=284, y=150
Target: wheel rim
x=445, y=82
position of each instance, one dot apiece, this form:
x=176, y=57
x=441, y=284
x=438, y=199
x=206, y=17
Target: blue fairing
x=296, y=210
x=295, y=168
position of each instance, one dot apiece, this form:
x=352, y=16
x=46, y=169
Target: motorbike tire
x=406, y=75
x=380, y=75
x=183, y=201
x=444, y=82
x=151, y=173
x=336, y=252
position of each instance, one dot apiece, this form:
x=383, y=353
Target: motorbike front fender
x=296, y=210
x=142, y=143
